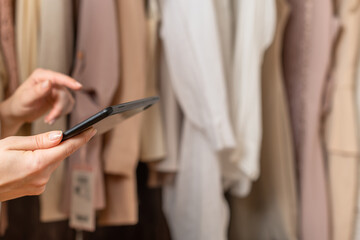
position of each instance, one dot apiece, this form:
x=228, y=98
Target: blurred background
x=255, y=135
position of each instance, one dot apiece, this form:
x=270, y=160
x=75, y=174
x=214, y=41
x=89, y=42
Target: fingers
x=64, y=103
x=67, y=147
x=55, y=112
x=31, y=143
x=56, y=78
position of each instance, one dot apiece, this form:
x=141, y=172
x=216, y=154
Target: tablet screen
x=109, y=122
x=108, y=118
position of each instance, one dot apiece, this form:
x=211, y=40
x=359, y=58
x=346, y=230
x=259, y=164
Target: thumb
x=40, y=141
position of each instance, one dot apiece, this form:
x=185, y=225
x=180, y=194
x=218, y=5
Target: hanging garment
x=172, y=118
x=7, y=44
x=27, y=19
x=96, y=68
x=342, y=143
x=151, y=225
x=55, y=53
x=27, y=29
x=193, y=56
x=307, y=50
x=4, y=74
x=163, y=172
x=270, y=210
x=254, y=24
x=122, y=144
x=3, y=80
x=152, y=134
x=8, y=74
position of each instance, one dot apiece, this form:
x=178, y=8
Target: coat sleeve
x=192, y=50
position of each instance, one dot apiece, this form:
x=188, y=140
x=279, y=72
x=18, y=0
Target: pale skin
x=26, y=163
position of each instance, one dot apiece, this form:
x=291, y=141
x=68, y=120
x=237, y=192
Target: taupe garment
x=122, y=145
x=270, y=211
x=342, y=142
x=96, y=67
x=55, y=53
x=152, y=134
x=307, y=51
x=8, y=44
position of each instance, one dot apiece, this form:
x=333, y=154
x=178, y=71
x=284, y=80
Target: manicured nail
x=45, y=84
x=94, y=131
x=55, y=135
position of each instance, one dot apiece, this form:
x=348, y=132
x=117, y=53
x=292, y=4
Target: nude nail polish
x=45, y=84
x=55, y=135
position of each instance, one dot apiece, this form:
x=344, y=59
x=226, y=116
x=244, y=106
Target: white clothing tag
x=82, y=213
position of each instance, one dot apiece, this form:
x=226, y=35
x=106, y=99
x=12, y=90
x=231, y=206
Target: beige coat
x=27, y=14
x=55, y=53
x=172, y=116
x=162, y=171
x=342, y=128
x=122, y=144
x=307, y=52
x=27, y=29
x=152, y=134
x=270, y=211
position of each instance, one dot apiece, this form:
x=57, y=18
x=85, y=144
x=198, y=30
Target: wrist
x=10, y=124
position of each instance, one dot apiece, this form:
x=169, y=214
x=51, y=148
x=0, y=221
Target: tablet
x=108, y=118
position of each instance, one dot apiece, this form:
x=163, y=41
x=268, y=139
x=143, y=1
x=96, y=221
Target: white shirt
x=194, y=203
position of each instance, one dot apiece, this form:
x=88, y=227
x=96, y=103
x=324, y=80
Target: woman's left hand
x=43, y=91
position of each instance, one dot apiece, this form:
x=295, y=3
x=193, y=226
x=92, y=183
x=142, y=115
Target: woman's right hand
x=27, y=162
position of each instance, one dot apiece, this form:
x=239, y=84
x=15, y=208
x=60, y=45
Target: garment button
x=80, y=55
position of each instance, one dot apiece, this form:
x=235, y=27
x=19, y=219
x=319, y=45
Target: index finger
x=57, y=78
x=67, y=147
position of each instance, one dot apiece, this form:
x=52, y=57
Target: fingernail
x=45, y=84
x=94, y=131
x=55, y=135
x=78, y=84
x=51, y=122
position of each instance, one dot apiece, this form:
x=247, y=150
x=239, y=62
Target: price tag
x=82, y=214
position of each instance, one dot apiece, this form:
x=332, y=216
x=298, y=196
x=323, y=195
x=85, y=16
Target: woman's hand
x=27, y=162
x=44, y=90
